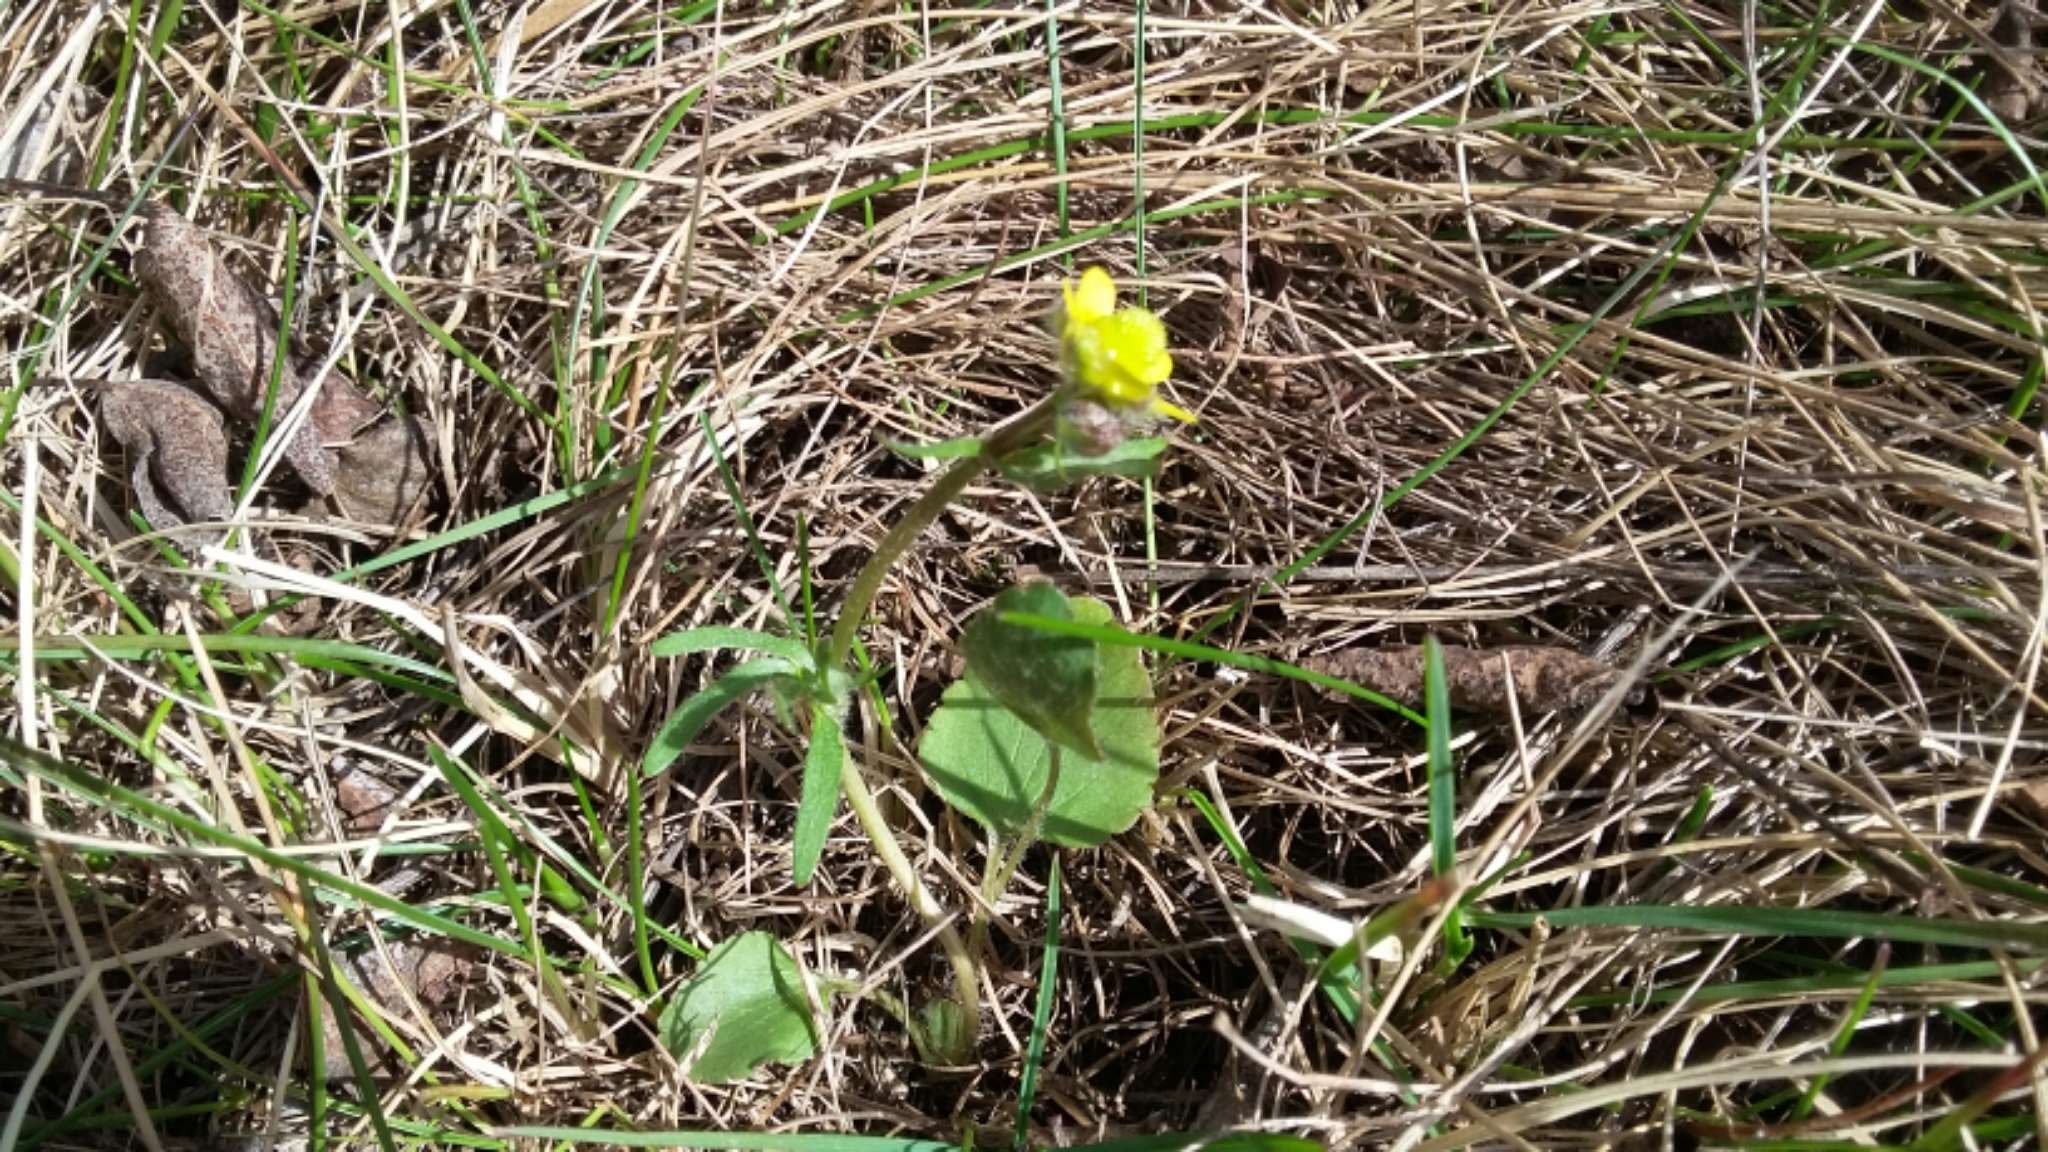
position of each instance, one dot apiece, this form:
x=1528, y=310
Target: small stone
x=364, y=801
x=433, y=971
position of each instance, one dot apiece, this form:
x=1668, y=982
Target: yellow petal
x=1136, y=340
x=1094, y=300
x=1175, y=411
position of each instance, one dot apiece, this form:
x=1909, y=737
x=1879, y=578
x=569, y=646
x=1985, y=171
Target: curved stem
x=1004, y=860
x=1003, y=864
x=1017, y=432
x=966, y=981
x=895, y=543
x=1004, y=439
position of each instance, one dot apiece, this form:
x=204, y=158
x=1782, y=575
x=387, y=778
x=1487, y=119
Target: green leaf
x=693, y=640
x=1443, y=795
x=946, y=1033
x=1047, y=680
x=820, y=799
x=693, y=714
x=990, y=765
x=748, y=999
x=1048, y=466
x=958, y=448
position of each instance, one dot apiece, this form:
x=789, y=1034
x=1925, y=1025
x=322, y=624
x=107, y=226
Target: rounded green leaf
x=1047, y=680
x=990, y=765
x=748, y=999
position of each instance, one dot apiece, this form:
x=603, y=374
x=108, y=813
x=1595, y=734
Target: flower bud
x=1088, y=429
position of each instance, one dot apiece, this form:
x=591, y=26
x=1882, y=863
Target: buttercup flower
x=1115, y=355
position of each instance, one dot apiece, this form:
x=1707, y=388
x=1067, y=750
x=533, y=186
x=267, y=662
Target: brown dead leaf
x=432, y=972
x=231, y=330
x=2011, y=91
x=385, y=473
x=1545, y=679
x=178, y=447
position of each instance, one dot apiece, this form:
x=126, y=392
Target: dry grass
x=1516, y=250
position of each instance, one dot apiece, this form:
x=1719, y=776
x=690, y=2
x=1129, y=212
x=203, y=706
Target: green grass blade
x=805, y=583
x=495, y=837
x=1845, y=1032
x=1138, y=145
x=1041, y=1011
x=1977, y=105
x=90, y=786
x=636, y=881
x=1058, y=113
x=131, y=647
x=636, y=507
x=1188, y=650
x=1341, y=987
x=588, y=303
x=504, y=517
x=746, y=518
x=280, y=359
x=230, y=1016
x=351, y=1042
x=1820, y=923
x=1796, y=987
x=1443, y=780
x=1443, y=795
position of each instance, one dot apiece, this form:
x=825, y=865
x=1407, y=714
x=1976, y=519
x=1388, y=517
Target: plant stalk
x=966, y=977
x=1005, y=438
x=1004, y=860
x=1001, y=441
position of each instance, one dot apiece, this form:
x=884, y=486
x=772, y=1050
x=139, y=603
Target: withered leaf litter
x=375, y=465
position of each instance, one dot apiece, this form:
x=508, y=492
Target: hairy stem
x=966, y=979
x=894, y=544
x=1003, y=861
x=1005, y=438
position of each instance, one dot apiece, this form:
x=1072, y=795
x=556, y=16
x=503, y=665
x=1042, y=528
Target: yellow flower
x=1116, y=355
